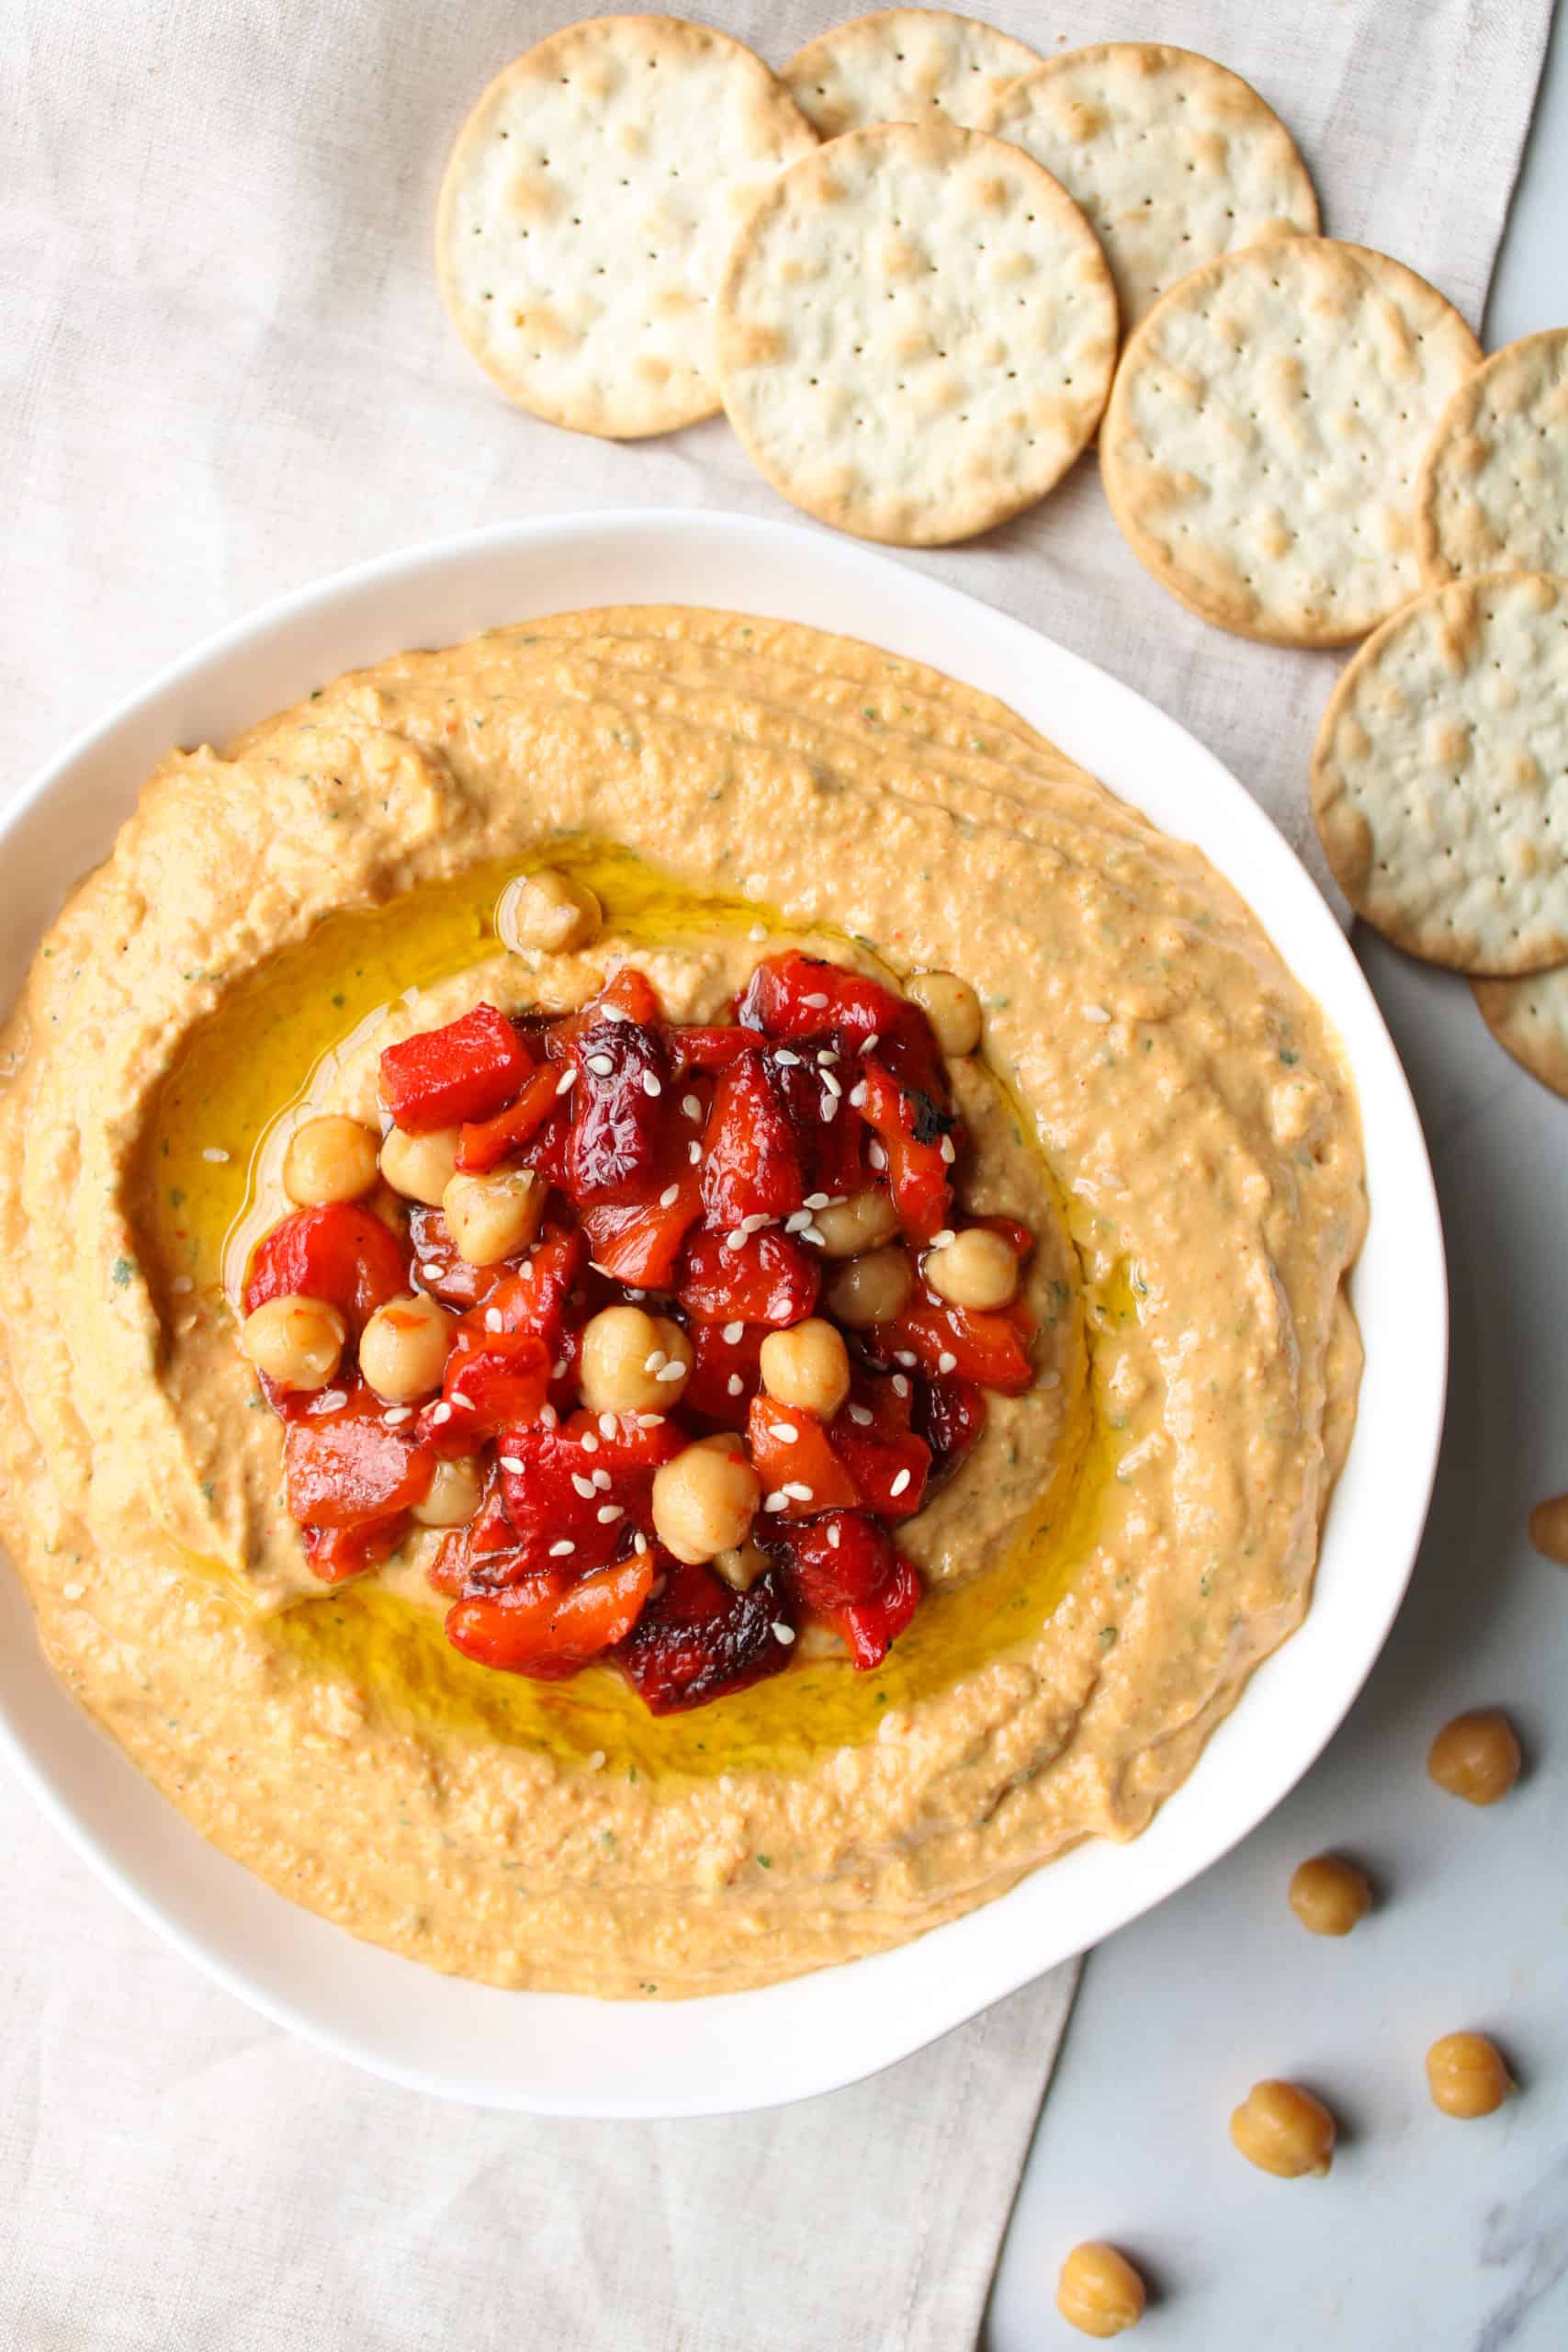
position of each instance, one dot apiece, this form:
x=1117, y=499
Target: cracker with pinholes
x=1439, y=777
x=1493, y=487
x=904, y=65
x=1529, y=1020
x=1264, y=434
x=587, y=210
x=1173, y=159
x=916, y=332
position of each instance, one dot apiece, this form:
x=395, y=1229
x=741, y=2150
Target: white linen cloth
x=224, y=370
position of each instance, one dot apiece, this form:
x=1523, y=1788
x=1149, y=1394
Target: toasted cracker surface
x=1493, y=490
x=587, y=209
x=916, y=332
x=1529, y=1020
x=905, y=65
x=1268, y=418
x=1174, y=160
x=1439, y=777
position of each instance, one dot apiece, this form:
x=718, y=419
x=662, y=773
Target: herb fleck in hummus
x=1156, y=1110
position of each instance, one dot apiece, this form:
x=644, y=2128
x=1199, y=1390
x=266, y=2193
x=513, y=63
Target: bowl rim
x=840, y=2024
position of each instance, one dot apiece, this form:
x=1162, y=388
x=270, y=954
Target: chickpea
x=951, y=1006
x=807, y=1365
x=704, y=1502
x=1328, y=1896
x=862, y=1222
x=298, y=1342
x=740, y=1564
x=421, y=1167
x=1548, y=1529
x=1476, y=1756
x=1467, y=2076
x=1099, y=2291
x=494, y=1216
x=454, y=1495
x=1283, y=2129
x=626, y=1358
x=975, y=1268
x=553, y=911
x=872, y=1289
x=403, y=1349
x=330, y=1158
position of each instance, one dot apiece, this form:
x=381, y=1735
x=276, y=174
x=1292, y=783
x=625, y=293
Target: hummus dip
x=1154, y=1095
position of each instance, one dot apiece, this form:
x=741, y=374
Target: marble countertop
x=1429, y=2236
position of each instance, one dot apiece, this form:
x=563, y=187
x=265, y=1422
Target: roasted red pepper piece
x=990, y=1349
x=792, y=995
x=341, y=1464
x=618, y=1111
x=765, y=1278
x=485, y=1537
x=626, y=996
x=718, y=1360
x=467, y=1070
x=792, y=1449
x=911, y=1126
x=340, y=1253
x=750, y=1166
x=887, y=1468
x=699, y=1639
x=712, y=1049
x=950, y=1415
x=841, y=1558
x=641, y=1242
x=591, y=1495
x=546, y=1629
x=871, y=1627
x=493, y=1381
x=336, y=1554
x=539, y=1296
x=485, y=1143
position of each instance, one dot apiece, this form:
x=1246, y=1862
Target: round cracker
x=916, y=332
x=1174, y=160
x=1439, y=776
x=1492, y=490
x=1529, y=1020
x=1264, y=432
x=587, y=209
x=904, y=65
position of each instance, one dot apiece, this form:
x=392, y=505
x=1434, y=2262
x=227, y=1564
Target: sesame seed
x=834, y=1535
x=736, y=1238
x=651, y=1420
x=869, y=1045
x=561, y=1550
x=1094, y=1012
x=608, y=1426
x=797, y=1221
x=640, y=1543
x=814, y=1233
x=943, y=1240
x=786, y=1059
x=816, y=1200
x=595, y=1763
x=754, y=886
x=650, y=1085
x=830, y=1109
x=861, y=1416
x=584, y=1486
x=694, y=1152
x=782, y=1633
x=949, y=1155
x=877, y=1155
x=613, y=1012
x=818, y=1003
x=776, y=1502
x=668, y=1196
x=558, y=1369
x=396, y=1415
x=900, y=1386
x=692, y=1105
x=549, y=1418
x=755, y=1223
x=439, y=1413
x=458, y=1398
x=589, y=1442
x=826, y=1057
x=733, y=1334
x=565, y=1082
x=785, y=1431
x=330, y=1399
x=759, y=930
x=655, y=1361
x=734, y=1385
x=831, y=1083
x=510, y=1461
x=182, y=1282
x=632, y=1293
x=601, y=1064
x=601, y=1269
x=796, y=1492
x=899, y=1483
x=215, y=1153
x=857, y=1095
x=676, y=1371
x=947, y=1361
x=608, y=1513
x=493, y=1319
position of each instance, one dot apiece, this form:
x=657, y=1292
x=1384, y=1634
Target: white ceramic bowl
x=557, y=2055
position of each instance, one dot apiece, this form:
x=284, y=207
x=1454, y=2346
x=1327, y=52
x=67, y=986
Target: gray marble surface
x=1429, y=2236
